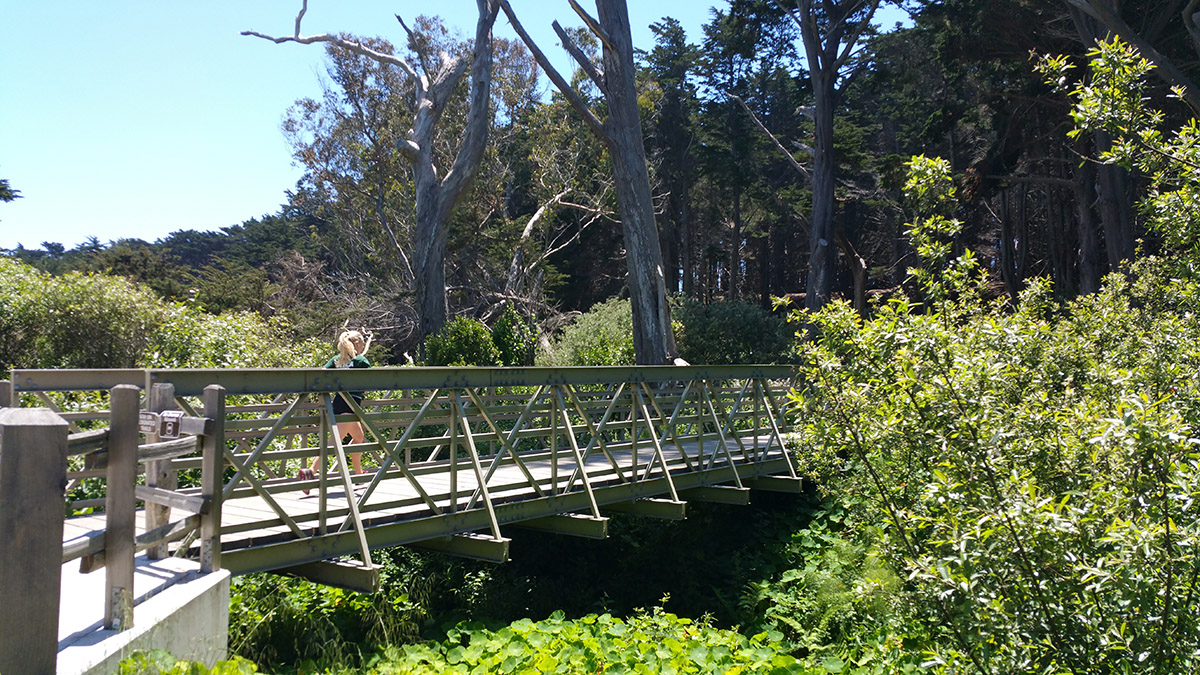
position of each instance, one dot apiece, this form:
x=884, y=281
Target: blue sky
x=136, y=118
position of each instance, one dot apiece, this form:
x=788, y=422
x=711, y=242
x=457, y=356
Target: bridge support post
x=119, y=507
x=33, y=475
x=211, y=479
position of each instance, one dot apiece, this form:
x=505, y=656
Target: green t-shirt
x=356, y=362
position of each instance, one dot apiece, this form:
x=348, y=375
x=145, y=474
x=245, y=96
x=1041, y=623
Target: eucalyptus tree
x=567, y=193
x=437, y=191
x=830, y=31
x=354, y=177
x=621, y=133
x=745, y=49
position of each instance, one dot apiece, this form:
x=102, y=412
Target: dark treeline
x=539, y=227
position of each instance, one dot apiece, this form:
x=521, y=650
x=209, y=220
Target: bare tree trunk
x=858, y=271
x=735, y=246
x=1090, y=266
x=1114, y=207
x=822, y=260
x=669, y=237
x=1113, y=181
x=687, y=260
x=764, y=270
x=828, y=44
x=653, y=340
x=429, y=254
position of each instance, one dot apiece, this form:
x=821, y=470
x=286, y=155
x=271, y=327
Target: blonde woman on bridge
x=352, y=348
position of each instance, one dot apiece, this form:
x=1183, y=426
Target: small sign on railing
x=147, y=422
x=166, y=424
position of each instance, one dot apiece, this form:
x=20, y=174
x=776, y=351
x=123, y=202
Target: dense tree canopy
x=729, y=123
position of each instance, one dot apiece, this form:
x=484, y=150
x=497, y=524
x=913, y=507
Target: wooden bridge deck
x=394, y=513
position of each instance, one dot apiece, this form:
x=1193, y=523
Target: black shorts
x=340, y=407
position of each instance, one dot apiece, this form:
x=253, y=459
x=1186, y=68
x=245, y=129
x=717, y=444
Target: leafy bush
x=731, y=331
x=514, y=338
x=1114, y=100
x=837, y=597
x=191, y=338
x=603, y=336
x=73, y=321
x=161, y=662
x=462, y=342
x=95, y=321
x=650, y=642
x=1032, y=474
x=1034, y=479
x=279, y=621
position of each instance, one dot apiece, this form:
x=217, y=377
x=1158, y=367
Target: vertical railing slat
x=159, y=473
x=121, y=476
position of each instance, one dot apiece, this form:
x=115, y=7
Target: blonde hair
x=346, y=348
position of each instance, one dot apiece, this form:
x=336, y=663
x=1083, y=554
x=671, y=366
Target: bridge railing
x=465, y=439
x=461, y=440
x=110, y=460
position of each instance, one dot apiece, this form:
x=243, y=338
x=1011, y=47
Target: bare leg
x=356, y=436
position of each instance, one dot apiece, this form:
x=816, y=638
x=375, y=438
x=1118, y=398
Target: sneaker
x=305, y=474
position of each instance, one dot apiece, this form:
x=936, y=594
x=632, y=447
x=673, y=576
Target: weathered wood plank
x=160, y=450
x=119, y=508
x=86, y=442
x=211, y=478
x=171, y=499
x=160, y=473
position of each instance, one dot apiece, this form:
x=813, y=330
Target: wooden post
x=159, y=474
x=119, y=507
x=212, y=478
x=33, y=476
x=6, y=394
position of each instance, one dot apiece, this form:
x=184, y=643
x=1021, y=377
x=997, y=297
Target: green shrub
x=650, y=642
x=1032, y=476
x=189, y=337
x=73, y=321
x=603, y=336
x=731, y=331
x=278, y=621
x=96, y=321
x=514, y=338
x=161, y=662
x=462, y=342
